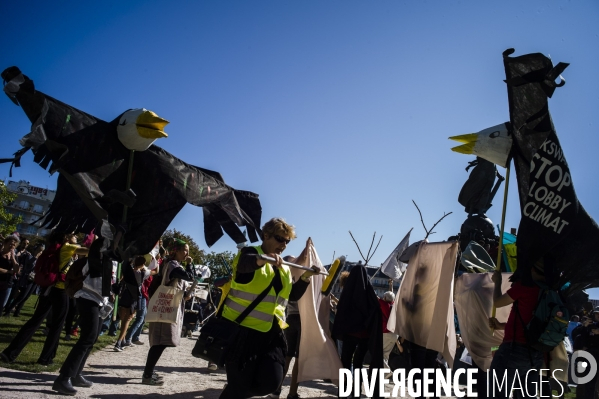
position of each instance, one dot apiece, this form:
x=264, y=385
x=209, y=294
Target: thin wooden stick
x=427, y=231
x=371, y=242
x=431, y=230
x=422, y=220
x=377, y=270
x=352, y=237
x=377, y=246
x=273, y=260
x=368, y=257
x=505, y=192
x=123, y=220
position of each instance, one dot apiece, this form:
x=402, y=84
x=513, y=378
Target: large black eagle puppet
x=93, y=160
x=555, y=232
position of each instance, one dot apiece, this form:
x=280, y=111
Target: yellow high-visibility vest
x=240, y=296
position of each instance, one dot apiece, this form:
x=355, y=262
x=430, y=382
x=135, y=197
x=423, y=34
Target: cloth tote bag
x=165, y=304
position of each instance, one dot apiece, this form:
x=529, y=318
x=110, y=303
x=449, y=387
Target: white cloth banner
x=474, y=304
x=559, y=362
x=393, y=267
x=424, y=304
x=165, y=305
x=318, y=357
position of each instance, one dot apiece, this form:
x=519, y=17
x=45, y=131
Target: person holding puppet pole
x=255, y=361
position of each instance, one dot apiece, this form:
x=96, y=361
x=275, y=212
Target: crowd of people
x=261, y=297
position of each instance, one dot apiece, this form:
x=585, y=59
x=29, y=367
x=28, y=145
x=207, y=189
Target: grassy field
x=9, y=326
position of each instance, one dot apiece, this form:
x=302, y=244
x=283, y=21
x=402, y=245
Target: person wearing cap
x=255, y=360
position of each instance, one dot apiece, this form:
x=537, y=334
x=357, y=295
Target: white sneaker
x=212, y=367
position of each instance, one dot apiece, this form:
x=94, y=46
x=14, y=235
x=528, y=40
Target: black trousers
x=58, y=301
x=259, y=377
x=90, y=323
x=353, y=352
x=73, y=311
x=153, y=356
x=422, y=358
x=18, y=297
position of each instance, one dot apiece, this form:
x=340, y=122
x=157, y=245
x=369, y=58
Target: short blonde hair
x=278, y=226
x=343, y=278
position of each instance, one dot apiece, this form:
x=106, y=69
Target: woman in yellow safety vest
x=256, y=358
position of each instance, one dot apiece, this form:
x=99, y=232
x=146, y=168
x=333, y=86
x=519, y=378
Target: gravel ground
x=117, y=375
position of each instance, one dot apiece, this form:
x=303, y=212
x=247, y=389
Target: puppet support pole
x=505, y=191
x=273, y=260
x=375, y=273
x=123, y=220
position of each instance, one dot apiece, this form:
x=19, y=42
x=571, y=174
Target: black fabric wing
x=67, y=211
x=88, y=155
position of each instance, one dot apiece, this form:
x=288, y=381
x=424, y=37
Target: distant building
x=380, y=282
x=31, y=204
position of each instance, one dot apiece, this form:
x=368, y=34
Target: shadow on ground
x=159, y=369
x=34, y=378
x=204, y=394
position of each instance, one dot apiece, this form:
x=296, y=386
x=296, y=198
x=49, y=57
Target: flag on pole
x=555, y=231
x=393, y=267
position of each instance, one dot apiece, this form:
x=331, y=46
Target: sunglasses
x=281, y=239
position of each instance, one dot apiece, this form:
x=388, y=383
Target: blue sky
x=336, y=113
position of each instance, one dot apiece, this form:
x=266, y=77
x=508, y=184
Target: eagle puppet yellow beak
x=139, y=128
x=493, y=144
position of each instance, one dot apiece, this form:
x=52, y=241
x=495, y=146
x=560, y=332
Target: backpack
x=154, y=284
x=549, y=322
x=75, y=277
x=46, y=267
x=126, y=298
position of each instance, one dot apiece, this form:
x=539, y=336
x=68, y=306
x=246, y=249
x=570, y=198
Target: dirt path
x=117, y=375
